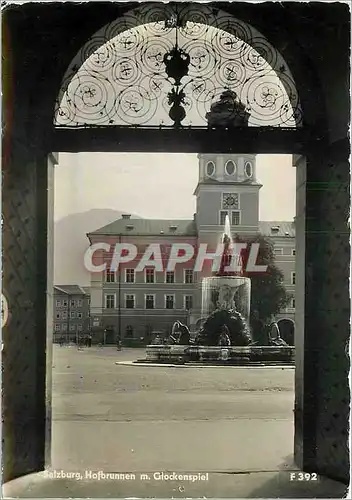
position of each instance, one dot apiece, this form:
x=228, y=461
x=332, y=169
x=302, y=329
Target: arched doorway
x=287, y=330
x=30, y=137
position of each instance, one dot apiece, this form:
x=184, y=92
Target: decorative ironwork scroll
x=183, y=65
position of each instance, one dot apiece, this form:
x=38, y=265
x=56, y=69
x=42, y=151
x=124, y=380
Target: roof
x=285, y=228
x=149, y=227
x=70, y=289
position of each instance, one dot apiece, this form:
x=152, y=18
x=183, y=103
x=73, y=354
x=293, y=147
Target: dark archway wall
x=39, y=42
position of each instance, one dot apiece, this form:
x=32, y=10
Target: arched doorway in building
x=287, y=330
x=89, y=119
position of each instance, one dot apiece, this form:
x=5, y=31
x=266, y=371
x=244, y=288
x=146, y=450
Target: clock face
x=230, y=200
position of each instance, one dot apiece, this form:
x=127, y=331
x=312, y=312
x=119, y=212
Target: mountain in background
x=71, y=242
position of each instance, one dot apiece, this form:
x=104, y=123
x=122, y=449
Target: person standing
x=118, y=342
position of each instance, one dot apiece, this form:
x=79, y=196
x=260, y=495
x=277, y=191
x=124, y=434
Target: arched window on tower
x=248, y=169
x=230, y=167
x=210, y=169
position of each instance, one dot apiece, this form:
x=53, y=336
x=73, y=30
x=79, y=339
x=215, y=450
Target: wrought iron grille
x=173, y=66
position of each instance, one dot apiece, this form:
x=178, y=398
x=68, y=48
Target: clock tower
x=227, y=186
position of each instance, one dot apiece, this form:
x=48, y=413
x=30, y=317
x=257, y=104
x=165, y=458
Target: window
x=293, y=303
x=79, y=303
x=235, y=218
x=248, y=169
x=79, y=315
x=210, y=169
x=73, y=303
x=223, y=214
x=293, y=278
x=230, y=200
x=230, y=167
x=149, y=276
x=79, y=327
x=188, y=276
x=170, y=277
x=278, y=251
x=149, y=301
x=57, y=328
x=64, y=315
x=89, y=302
x=58, y=303
x=169, y=301
x=72, y=314
x=64, y=327
x=293, y=251
x=129, y=301
x=188, y=302
x=58, y=315
x=130, y=276
x=65, y=303
x=129, y=331
x=110, y=301
x=109, y=276
x=72, y=328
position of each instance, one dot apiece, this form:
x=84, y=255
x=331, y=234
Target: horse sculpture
x=180, y=334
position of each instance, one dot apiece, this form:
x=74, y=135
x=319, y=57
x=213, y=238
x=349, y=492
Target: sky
x=159, y=185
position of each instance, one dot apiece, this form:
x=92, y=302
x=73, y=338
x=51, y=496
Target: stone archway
x=121, y=77
x=56, y=32
x=287, y=330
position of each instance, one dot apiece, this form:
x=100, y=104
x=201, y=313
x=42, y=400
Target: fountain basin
x=232, y=355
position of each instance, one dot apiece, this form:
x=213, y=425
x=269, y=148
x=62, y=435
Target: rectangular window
x=293, y=251
x=73, y=303
x=130, y=277
x=149, y=301
x=223, y=214
x=293, y=278
x=235, y=218
x=79, y=303
x=293, y=303
x=72, y=314
x=170, y=277
x=278, y=251
x=58, y=303
x=149, y=276
x=110, y=301
x=169, y=301
x=79, y=327
x=57, y=328
x=109, y=276
x=129, y=301
x=65, y=303
x=88, y=302
x=64, y=315
x=188, y=302
x=188, y=276
x=64, y=327
x=72, y=328
x=79, y=315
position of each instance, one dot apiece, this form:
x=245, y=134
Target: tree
x=268, y=293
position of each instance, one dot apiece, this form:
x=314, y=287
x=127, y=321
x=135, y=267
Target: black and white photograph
x=175, y=249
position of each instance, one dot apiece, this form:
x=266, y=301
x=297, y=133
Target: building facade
x=137, y=303
x=71, y=312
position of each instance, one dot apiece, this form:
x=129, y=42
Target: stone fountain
x=224, y=337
